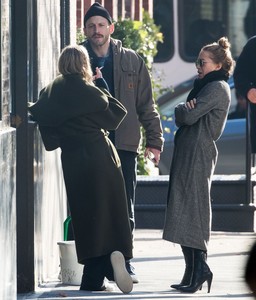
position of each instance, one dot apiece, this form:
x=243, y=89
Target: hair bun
x=224, y=43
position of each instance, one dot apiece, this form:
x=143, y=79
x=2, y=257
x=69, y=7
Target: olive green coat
x=75, y=116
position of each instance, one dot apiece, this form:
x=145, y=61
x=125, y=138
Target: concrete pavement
x=159, y=263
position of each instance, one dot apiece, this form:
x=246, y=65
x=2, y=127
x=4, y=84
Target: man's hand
x=155, y=158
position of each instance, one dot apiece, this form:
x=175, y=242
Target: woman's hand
x=191, y=104
x=98, y=73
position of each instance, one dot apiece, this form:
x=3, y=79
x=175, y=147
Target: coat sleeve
x=50, y=137
x=146, y=109
x=208, y=99
x=245, y=70
x=57, y=104
x=111, y=118
x=101, y=83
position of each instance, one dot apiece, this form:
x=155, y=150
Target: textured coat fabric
x=74, y=116
x=133, y=89
x=188, y=213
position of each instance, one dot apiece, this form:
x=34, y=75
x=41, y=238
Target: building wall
x=50, y=197
x=7, y=168
x=7, y=215
x=50, y=193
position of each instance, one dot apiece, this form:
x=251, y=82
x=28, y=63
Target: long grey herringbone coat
x=188, y=213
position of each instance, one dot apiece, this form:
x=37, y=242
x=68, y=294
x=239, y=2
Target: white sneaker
x=134, y=278
x=130, y=270
x=122, y=277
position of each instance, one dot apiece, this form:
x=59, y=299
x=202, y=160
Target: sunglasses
x=200, y=62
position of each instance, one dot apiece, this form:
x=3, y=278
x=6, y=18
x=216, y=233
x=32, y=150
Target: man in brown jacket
x=129, y=81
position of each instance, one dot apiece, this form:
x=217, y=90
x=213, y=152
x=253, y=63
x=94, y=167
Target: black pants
x=95, y=270
x=129, y=168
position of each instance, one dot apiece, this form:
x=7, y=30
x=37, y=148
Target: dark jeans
x=129, y=168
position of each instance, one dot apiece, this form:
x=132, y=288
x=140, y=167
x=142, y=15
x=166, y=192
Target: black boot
x=189, y=262
x=201, y=273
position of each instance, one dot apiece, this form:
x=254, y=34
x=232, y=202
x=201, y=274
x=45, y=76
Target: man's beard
x=97, y=42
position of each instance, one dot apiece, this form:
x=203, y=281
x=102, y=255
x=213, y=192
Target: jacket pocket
x=130, y=78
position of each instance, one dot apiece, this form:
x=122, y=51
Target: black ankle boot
x=189, y=262
x=201, y=273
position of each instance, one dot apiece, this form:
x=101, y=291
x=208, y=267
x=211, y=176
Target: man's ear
x=111, y=28
x=84, y=30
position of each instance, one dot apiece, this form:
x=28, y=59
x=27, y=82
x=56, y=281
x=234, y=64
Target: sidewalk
x=159, y=263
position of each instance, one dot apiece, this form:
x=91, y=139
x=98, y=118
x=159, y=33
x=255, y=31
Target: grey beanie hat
x=97, y=10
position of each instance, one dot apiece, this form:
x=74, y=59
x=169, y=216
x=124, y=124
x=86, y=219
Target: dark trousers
x=95, y=270
x=129, y=169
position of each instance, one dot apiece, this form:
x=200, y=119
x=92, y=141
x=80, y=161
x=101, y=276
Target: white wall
x=50, y=194
x=8, y=256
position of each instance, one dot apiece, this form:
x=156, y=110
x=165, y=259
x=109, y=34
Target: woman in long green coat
x=74, y=114
x=200, y=122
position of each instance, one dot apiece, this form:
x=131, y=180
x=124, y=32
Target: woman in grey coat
x=200, y=123
x=74, y=114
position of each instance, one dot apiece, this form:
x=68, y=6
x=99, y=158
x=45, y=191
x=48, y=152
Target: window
x=205, y=21
x=163, y=16
x=200, y=22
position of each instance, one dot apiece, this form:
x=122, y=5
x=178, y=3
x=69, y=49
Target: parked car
x=231, y=145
